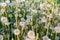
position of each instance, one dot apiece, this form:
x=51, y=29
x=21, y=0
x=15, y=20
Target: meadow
x=29, y=19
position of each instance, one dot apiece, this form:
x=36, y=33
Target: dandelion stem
x=18, y=37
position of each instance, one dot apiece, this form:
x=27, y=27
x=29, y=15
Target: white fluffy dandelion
x=46, y=38
x=22, y=24
x=31, y=34
x=3, y=4
x=57, y=29
x=16, y=31
x=1, y=37
x=4, y=19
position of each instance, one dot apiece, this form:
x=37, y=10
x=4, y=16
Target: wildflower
x=20, y=15
x=34, y=11
x=28, y=16
x=46, y=38
x=41, y=6
x=27, y=39
x=16, y=31
x=50, y=16
x=22, y=23
x=4, y=19
x=1, y=37
x=27, y=21
x=3, y=4
x=31, y=34
x=7, y=23
x=12, y=4
x=39, y=22
x=10, y=15
x=7, y=1
x=22, y=19
x=2, y=11
x=57, y=29
x=58, y=24
x=15, y=24
x=48, y=5
x=43, y=19
x=22, y=0
x=16, y=15
x=56, y=38
x=17, y=1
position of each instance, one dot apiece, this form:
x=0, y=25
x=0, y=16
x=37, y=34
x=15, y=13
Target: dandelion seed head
x=16, y=31
x=31, y=34
x=1, y=37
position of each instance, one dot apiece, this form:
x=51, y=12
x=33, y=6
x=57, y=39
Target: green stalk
x=18, y=37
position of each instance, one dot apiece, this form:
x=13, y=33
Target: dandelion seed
x=20, y=15
x=7, y=1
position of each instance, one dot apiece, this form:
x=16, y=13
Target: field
x=29, y=19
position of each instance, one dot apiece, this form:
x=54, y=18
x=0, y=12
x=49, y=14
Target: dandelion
x=48, y=5
x=7, y=23
x=17, y=1
x=46, y=38
x=57, y=29
x=15, y=24
x=20, y=15
x=27, y=39
x=1, y=37
x=27, y=21
x=28, y=16
x=39, y=22
x=50, y=16
x=2, y=11
x=16, y=15
x=16, y=31
x=22, y=19
x=43, y=19
x=3, y=4
x=7, y=1
x=12, y=4
x=34, y=11
x=41, y=6
x=56, y=38
x=4, y=19
x=22, y=24
x=10, y=15
x=22, y=0
x=31, y=34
